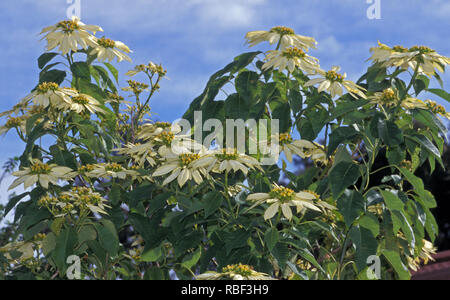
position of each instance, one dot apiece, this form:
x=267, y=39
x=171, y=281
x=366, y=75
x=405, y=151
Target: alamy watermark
x=374, y=10
x=74, y=9
x=74, y=269
x=374, y=267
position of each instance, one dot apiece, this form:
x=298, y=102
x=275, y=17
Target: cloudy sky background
x=195, y=38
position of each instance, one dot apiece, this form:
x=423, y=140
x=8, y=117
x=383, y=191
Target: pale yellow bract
x=70, y=35
x=182, y=167
x=291, y=58
x=109, y=50
x=110, y=170
x=80, y=103
x=283, y=198
x=140, y=153
x=227, y=160
x=50, y=94
x=422, y=59
x=41, y=173
x=333, y=82
x=281, y=35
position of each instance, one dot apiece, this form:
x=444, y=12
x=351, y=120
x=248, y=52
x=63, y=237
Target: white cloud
x=227, y=14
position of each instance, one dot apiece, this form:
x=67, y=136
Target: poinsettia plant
x=125, y=197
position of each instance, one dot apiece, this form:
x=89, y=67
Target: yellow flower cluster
x=285, y=138
x=282, y=193
x=136, y=87
x=165, y=138
x=282, y=30
x=150, y=68
x=186, y=159
x=235, y=272
x=436, y=108
x=13, y=122
x=113, y=167
x=106, y=43
x=40, y=168
x=293, y=52
x=68, y=26
x=240, y=269
x=387, y=97
x=333, y=76
x=80, y=200
x=45, y=87
x=227, y=155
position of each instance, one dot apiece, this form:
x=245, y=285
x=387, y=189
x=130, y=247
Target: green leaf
x=65, y=243
x=351, y=205
x=45, y=59
x=212, y=202
x=312, y=123
x=341, y=135
x=57, y=225
x=114, y=195
x=392, y=201
x=158, y=202
x=415, y=181
x=81, y=70
x=48, y=67
x=431, y=225
x=396, y=262
x=271, y=238
x=31, y=122
x=113, y=71
x=236, y=107
x=425, y=142
x=155, y=273
x=281, y=253
x=105, y=78
x=281, y=111
x=342, y=176
x=366, y=245
x=395, y=155
x=421, y=83
x=238, y=63
x=295, y=100
x=63, y=158
x=49, y=243
x=108, y=237
x=152, y=255
x=390, y=133
x=248, y=86
x=236, y=239
x=217, y=81
x=87, y=233
x=86, y=87
x=56, y=76
x=192, y=259
x=441, y=93
x=306, y=254
x=13, y=202
x=370, y=222
x=406, y=228
x=294, y=269
x=346, y=107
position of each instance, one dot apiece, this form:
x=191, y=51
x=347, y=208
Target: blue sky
x=194, y=38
